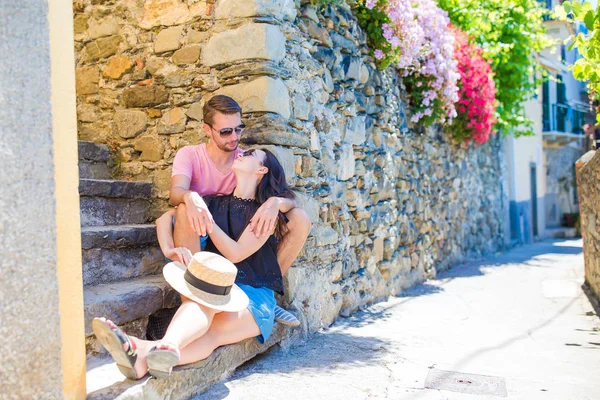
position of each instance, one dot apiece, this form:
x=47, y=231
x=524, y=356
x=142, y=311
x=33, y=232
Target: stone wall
x=588, y=184
x=391, y=203
x=561, y=185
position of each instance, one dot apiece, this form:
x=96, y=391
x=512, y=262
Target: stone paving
x=516, y=326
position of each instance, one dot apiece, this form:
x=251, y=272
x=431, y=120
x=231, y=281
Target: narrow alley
x=517, y=326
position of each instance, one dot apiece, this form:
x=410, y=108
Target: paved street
x=516, y=326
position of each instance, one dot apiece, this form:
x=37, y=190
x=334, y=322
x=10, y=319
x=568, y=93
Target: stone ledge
x=102, y=266
x=118, y=236
x=115, y=189
x=91, y=151
x=250, y=41
x=264, y=94
x=128, y=300
x=99, y=211
x=106, y=382
x=279, y=9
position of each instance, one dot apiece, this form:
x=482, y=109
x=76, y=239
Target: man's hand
x=264, y=220
x=181, y=254
x=200, y=218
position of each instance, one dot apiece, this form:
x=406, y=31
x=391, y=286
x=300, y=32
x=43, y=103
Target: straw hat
x=208, y=280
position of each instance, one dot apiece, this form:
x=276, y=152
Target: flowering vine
x=413, y=35
x=477, y=92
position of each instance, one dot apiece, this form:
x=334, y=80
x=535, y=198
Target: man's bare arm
x=200, y=218
x=180, y=188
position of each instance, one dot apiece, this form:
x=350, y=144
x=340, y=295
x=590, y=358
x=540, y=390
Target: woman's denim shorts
x=262, y=306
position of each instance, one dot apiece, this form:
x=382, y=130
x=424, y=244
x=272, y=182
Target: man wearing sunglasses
x=206, y=169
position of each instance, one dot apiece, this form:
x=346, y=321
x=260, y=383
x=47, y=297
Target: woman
x=200, y=325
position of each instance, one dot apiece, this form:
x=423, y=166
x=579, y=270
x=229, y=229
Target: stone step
x=118, y=236
x=127, y=301
x=104, y=381
x=93, y=161
x=116, y=253
x=93, y=152
x=109, y=202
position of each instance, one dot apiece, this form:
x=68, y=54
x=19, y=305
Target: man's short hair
x=222, y=104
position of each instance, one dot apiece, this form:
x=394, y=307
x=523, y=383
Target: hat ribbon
x=206, y=286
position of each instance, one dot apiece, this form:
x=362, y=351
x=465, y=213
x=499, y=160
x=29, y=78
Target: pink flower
x=371, y=4
x=378, y=54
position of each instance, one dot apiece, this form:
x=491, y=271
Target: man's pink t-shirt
x=195, y=163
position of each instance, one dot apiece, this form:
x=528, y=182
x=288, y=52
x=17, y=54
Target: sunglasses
x=228, y=131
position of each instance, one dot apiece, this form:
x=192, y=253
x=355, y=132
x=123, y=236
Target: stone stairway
x=120, y=255
x=122, y=266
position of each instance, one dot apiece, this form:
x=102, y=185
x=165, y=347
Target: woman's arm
x=235, y=252
x=164, y=233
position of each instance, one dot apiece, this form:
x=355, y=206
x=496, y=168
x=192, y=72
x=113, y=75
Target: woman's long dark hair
x=274, y=184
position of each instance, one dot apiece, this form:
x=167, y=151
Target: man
x=206, y=169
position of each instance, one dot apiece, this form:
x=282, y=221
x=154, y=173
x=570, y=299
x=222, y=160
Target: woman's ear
x=262, y=170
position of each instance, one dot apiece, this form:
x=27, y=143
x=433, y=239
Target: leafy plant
x=510, y=32
x=586, y=68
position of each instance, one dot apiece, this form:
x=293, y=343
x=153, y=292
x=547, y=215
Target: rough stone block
x=151, y=147
x=117, y=67
x=102, y=266
x=195, y=111
x=186, y=55
x=301, y=108
x=310, y=205
x=86, y=80
x=145, y=96
x=356, y=130
x=102, y=48
x=128, y=300
x=250, y=41
x=118, y=237
x=264, y=94
x=325, y=235
x=179, y=78
x=170, y=12
x=80, y=24
x=96, y=211
x=115, y=189
x=285, y=157
x=280, y=9
x=92, y=170
x=101, y=28
x=162, y=179
x=130, y=123
x=172, y=121
x=345, y=166
x=168, y=39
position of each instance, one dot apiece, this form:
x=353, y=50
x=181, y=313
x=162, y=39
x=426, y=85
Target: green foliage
x=325, y=3
x=510, y=32
x=371, y=21
x=586, y=68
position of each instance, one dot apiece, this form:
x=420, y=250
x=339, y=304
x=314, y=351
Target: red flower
x=477, y=92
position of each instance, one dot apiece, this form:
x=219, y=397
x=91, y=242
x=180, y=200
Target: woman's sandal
x=113, y=341
x=161, y=362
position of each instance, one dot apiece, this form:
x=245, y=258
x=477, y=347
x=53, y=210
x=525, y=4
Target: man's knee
x=299, y=221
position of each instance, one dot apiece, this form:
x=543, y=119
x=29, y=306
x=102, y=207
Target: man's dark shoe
x=285, y=317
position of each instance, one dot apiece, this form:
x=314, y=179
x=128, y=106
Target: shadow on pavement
x=325, y=351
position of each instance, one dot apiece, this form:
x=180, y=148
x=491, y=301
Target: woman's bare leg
x=226, y=328
x=191, y=321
